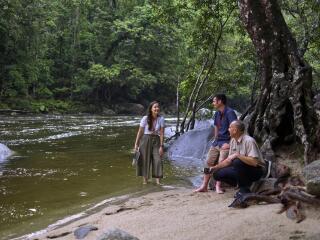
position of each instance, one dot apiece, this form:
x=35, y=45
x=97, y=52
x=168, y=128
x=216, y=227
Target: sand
x=180, y=214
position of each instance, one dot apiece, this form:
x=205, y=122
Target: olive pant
x=149, y=157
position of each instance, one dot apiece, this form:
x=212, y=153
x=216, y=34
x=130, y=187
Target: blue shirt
x=222, y=121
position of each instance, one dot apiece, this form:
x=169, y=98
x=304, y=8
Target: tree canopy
x=87, y=54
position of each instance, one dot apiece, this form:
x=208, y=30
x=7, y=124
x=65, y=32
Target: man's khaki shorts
x=216, y=154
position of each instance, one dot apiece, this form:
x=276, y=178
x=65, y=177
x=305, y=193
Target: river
x=65, y=164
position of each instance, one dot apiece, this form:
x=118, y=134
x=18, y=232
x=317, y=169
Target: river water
x=65, y=164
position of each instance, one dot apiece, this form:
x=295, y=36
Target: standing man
x=243, y=166
x=219, y=149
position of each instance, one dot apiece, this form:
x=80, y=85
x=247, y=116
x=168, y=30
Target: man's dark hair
x=222, y=97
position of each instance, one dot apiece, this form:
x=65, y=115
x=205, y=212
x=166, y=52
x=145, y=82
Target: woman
x=151, y=133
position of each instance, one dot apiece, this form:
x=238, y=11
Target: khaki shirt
x=246, y=146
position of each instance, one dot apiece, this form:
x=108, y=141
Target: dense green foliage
x=85, y=51
x=89, y=54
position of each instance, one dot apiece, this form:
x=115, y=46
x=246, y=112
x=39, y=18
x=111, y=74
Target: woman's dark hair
x=149, y=114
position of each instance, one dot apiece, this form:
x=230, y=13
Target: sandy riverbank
x=180, y=214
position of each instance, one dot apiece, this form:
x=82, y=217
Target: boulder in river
x=130, y=108
x=5, y=152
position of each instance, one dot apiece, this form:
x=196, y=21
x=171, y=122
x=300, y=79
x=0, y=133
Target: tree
x=213, y=27
x=303, y=18
x=283, y=110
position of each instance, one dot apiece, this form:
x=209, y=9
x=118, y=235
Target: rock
x=204, y=113
x=191, y=148
x=312, y=170
x=116, y=209
x=107, y=111
x=112, y=209
x=82, y=232
x=5, y=152
x=130, y=108
x=311, y=173
x=116, y=234
x=313, y=186
x=58, y=235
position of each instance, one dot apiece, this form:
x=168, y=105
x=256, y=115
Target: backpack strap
x=268, y=169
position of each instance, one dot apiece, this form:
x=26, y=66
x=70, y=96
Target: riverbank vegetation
x=64, y=55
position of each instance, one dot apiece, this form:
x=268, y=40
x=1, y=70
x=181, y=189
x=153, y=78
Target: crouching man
x=244, y=164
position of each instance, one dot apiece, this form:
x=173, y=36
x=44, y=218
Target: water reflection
x=65, y=164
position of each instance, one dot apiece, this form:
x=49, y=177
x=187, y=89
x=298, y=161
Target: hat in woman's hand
x=135, y=158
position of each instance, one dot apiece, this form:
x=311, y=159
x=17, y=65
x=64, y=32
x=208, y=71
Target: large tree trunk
x=284, y=108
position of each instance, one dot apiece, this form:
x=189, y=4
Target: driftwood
x=288, y=190
x=292, y=197
x=293, y=211
x=252, y=198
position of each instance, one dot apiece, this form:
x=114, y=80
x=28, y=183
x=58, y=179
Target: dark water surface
x=66, y=164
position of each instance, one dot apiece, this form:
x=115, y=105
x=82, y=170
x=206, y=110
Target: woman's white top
x=159, y=123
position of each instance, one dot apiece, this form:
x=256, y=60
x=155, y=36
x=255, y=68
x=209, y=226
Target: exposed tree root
x=289, y=191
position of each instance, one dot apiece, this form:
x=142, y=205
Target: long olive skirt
x=149, y=157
